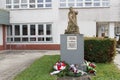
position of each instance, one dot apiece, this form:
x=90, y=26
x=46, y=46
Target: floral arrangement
x=59, y=66
x=63, y=69
x=90, y=67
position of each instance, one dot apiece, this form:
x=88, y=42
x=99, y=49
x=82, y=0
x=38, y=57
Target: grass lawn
x=41, y=68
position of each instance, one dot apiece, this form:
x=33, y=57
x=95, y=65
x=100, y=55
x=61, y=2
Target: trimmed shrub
x=100, y=50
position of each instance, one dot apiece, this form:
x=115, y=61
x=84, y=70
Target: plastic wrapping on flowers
x=62, y=69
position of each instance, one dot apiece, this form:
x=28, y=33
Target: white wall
x=35, y=15
x=32, y=16
x=2, y=4
x=88, y=28
x=1, y=35
x=85, y=14
x=45, y=15
x=87, y=17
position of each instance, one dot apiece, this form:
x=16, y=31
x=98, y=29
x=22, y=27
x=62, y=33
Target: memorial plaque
x=71, y=42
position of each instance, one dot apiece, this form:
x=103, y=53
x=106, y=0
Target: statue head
x=71, y=9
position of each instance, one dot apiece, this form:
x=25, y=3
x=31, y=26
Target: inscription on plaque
x=71, y=42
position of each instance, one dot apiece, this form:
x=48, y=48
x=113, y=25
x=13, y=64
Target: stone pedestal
x=72, y=49
x=86, y=77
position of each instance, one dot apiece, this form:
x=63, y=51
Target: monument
x=72, y=27
x=72, y=42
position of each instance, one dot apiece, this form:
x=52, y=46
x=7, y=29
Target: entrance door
x=102, y=29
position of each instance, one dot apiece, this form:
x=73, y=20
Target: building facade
x=37, y=24
x=4, y=20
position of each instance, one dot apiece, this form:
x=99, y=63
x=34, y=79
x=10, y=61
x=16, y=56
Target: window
x=32, y=6
x=8, y=4
x=27, y=4
x=16, y=6
x=9, y=39
x=32, y=30
x=9, y=33
x=17, y=39
x=71, y=4
x=24, y=30
x=8, y=1
x=40, y=5
x=79, y=4
x=48, y=29
x=40, y=30
x=24, y=4
x=84, y=3
x=49, y=39
x=62, y=4
x=71, y=1
x=105, y=4
x=17, y=29
x=15, y=1
x=29, y=33
x=62, y=0
x=79, y=0
x=31, y=1
x=9, y=30
x=48, y=0
x=97, y=4
x=40, y=1
x=48, y=3
x=23, y=1
x=33, y=39
x=117, y=29
x=41, y=39
x=25, y=39
x=104, y=30
x=88, y=4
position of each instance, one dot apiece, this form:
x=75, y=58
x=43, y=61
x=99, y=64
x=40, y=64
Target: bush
x=99, y=49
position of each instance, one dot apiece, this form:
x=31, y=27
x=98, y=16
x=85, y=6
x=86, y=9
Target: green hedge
x=99, y=49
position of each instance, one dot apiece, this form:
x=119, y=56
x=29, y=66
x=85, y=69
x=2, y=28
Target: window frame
x=117, y=29
x=29, y=38
x=28, y=4
x=83, y=3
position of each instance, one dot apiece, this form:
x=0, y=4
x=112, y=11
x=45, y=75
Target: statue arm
x=72, y=19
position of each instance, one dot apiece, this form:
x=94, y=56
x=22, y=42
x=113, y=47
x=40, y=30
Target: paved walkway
x=13, y=62
x=117, y=58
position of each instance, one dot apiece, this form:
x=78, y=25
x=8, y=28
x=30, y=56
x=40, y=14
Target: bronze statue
x=72, y=27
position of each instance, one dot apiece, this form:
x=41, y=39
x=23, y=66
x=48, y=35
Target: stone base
x=72, y=49
x=85, y=77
